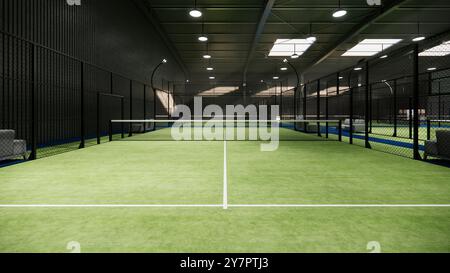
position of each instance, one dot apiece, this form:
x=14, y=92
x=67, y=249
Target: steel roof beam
x=259, y=30
x=358, y=29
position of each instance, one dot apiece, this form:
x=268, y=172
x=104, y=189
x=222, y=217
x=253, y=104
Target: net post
x=110, y=131
x=122, y=115
x=130, y=133
x=98, y=118
x=428, y=129
x=340, y=130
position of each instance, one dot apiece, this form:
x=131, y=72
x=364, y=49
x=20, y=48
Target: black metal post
x=295, y=89
x=98, y=119
x=168, y=100
x=338, y=83
x=326, y=111
x=410, y=120
x=304, y=108
x=3, y=117
x=130, y=132
x=281, y=100
x=122, y=116
x=111, y=78
x=145, y=103
x=416, y=101
x=395, y=108
x=351, y=115
x=33, y=72
x=370, y=108
x=110, y=131
x=318, y=107
x=340, y=130
x=366, y=108
x=428, y=129
x=82, y=113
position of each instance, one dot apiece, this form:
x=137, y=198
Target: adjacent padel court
x=148, y=193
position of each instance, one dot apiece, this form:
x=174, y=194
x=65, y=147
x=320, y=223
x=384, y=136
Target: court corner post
x=416, y=103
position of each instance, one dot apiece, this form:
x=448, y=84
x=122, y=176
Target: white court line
x=225, y=176
x=229, y=206
x=112, y=206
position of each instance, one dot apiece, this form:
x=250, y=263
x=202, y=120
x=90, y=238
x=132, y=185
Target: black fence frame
x=33, y=82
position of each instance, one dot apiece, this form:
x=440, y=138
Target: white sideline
x=229, y=206
x=225, y=176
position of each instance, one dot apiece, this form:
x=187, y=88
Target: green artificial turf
x=304, y=171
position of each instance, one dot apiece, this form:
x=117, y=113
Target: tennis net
x=225, y=129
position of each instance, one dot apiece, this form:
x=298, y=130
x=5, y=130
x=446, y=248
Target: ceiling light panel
x=370, y=47
x=287, y=47
x=437, y=51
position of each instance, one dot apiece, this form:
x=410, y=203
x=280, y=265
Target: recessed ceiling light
x=187, y=81
x=418, y=39
x=339, y=13
x=359, y=85
x=209, y=68
x=262, y=80
x=212, y=78
x=164, y=61
x=285, y=61
x=283, y=68
x=206, y=56
x=195, y=13
x=384, y=57
x=295, y=56
x=431, y=68
x=341, y=77
x=357, y=68
x=203, y=38
x=276, y=78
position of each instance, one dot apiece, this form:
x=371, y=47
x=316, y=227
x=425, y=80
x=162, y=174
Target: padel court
x=207, y=126
x=168, y=196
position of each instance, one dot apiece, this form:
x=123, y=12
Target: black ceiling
x=232, y=24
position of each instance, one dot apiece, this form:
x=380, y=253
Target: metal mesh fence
x=53, y=103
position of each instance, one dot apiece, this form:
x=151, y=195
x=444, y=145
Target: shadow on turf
x=7, y=163
x=439, y=162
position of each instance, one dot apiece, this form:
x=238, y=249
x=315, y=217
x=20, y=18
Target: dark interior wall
x=126, y=42
x=111, y=39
